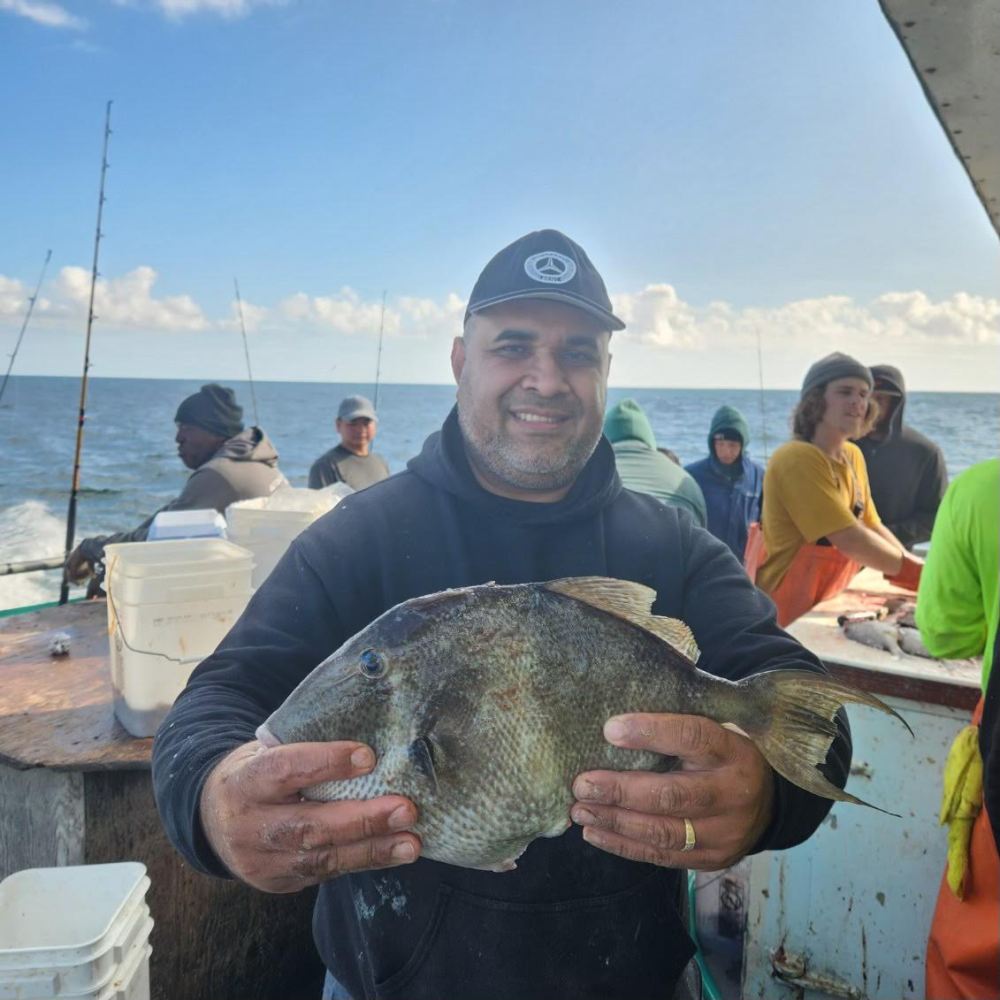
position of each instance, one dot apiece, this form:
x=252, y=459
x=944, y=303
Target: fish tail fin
x=790, y=719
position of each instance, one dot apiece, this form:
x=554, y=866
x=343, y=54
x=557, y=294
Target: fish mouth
x=265, y=737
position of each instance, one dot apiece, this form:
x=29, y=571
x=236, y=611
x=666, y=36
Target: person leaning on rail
x=819, y=525
x=230, y=462
x=519, y=485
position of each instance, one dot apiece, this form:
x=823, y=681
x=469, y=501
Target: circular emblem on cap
x=550, y=267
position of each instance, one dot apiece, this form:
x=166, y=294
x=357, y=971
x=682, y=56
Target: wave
x=29, y=530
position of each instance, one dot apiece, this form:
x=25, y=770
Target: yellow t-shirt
x=808, y=495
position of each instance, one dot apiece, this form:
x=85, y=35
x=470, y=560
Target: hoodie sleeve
x=734, y=625
x=288, y=628
x=930, y=491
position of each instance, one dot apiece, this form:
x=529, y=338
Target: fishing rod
x=378, y=361
x=760, y=375
x=75, y=487
x=246, y=352
x=24, y=325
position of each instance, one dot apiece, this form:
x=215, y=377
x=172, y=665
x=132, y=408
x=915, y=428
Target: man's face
x=532, y=385
x=195, y=445
x=356, y=435
x=846, y=402
x=887, y=403
x=726, y=452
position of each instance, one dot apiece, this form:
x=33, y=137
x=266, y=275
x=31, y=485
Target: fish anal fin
x=631, y=602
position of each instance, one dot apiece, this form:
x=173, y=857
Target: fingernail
x=400, y=818
x=363, y=759
x=592, y=836
x=402, y=852
x=583, y=817
x=615, y=730
x=584, y=789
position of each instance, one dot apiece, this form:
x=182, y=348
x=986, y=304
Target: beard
x=541, y=465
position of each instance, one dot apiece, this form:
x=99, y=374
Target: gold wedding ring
x=689, y=838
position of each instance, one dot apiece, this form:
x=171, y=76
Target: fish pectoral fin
x=422, y=754
x=631, y=602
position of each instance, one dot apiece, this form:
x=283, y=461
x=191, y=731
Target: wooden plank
x=58, y=712
x=41, y=819
x=213, y=939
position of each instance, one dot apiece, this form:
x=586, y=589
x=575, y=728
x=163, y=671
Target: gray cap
x=834, y=366
x=356, y=406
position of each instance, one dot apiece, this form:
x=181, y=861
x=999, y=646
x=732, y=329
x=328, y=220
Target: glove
x=908, y=575
x=961, y=801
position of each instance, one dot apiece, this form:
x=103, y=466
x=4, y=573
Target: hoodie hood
x=728, y=418
x=443, y=463
x=888, y=377
x=250, y=445
x=626, y=421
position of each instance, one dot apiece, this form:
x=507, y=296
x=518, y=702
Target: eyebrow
x=529, y=336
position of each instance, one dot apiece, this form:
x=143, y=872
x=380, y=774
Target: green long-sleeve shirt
x=958, y=604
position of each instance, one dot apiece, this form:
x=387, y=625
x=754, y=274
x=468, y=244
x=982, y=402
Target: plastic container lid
x=187, y=524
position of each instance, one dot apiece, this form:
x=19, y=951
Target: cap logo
x=550, y=267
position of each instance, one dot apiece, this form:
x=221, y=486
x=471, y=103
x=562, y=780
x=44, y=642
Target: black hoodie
x=572, y=921
x=906, y=470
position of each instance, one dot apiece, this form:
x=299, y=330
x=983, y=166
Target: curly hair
x=809, y=412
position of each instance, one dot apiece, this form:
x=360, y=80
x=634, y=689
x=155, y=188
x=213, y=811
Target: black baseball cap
x=545, y=264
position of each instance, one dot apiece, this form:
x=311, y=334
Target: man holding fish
x=450, y=726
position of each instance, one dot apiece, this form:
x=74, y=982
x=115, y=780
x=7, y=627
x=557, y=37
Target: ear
x=457, y=357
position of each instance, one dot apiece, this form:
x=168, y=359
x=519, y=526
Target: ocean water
x=130, y=466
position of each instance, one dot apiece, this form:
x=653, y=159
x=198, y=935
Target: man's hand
x=908, y=576
x=724, y=787
x=78, y=567
x=268, y=836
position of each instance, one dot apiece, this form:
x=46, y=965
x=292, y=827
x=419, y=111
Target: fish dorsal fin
x=631, y=602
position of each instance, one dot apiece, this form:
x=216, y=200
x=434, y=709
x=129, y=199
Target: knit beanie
x=729, y=419
x=834, y=366
x=625, y=421
x=212, y=408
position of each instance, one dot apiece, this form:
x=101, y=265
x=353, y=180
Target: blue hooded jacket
x=732, y=492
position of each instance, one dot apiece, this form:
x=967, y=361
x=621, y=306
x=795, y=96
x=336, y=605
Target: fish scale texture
x=511, y=686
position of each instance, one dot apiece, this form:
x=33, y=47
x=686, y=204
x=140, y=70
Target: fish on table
x=483, y=704
x=891, y=628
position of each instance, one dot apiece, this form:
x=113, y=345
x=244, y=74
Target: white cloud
x=13, y=297
x=127, y=301
x=224, y=8
x=51, y=15
x=658, y=318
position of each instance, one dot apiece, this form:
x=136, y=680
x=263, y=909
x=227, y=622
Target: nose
x=545, y=375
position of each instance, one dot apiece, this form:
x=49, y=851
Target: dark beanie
x=212, y=408
x=834, y=366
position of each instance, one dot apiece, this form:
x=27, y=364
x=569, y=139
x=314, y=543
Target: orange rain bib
x=817, y=573
x=963, y=951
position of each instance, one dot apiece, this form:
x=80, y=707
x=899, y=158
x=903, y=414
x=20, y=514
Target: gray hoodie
x=245, y=467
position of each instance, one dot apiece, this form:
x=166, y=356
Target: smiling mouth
x=540, y=419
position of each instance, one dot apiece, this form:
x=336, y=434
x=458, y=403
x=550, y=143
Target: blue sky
x=767, y=169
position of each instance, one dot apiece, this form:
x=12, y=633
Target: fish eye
x=372, y=664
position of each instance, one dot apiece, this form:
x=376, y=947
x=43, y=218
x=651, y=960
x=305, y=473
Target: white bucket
x=176, y=570
x=166, y=613
x=266, y=529
x=68, y=931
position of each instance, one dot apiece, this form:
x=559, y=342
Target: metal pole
x=75, y=487
x=378, y=362
x=24, y=325
x=246, y=352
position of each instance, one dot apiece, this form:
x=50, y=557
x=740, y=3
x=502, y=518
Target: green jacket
x=957, y=604
x=644, y=469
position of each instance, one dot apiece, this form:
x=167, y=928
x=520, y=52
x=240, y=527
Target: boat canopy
x=954, y=49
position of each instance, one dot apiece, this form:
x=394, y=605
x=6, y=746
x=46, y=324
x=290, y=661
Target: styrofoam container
x=154, y=648
x=208, y=523
x=192, y=569
x=64, y=931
